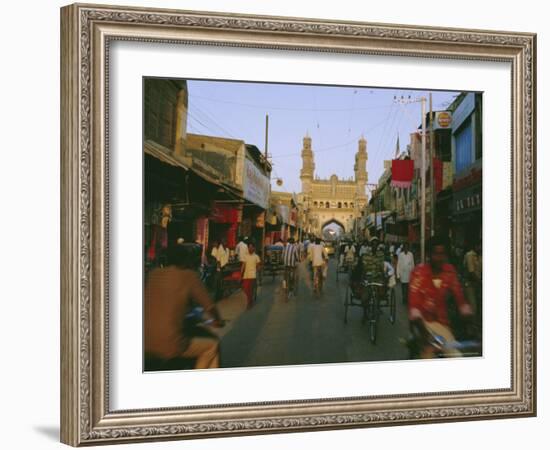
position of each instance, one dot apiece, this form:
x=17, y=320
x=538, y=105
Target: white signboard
x=255, y=185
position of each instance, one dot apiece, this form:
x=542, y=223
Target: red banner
x=402, y=172
x=222, y=213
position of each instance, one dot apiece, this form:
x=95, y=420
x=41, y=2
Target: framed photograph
x=275, y=224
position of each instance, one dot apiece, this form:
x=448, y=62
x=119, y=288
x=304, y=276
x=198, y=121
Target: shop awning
x=162, y=154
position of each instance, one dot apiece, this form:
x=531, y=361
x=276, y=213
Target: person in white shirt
x=250, y=265
x=405, y=265
x=241, y=249
x=364, y=248
x=317, y=256
x=349, y=254
x=220, y=254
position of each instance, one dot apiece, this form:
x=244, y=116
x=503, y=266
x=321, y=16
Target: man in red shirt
x=430, y=286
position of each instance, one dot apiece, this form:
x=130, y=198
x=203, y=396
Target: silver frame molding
x=86, y=32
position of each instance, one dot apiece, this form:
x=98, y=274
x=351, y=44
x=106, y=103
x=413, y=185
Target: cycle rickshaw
x=371, y=296
x=273, y=261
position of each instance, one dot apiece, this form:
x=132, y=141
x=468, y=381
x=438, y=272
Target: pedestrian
x=399, y=250
x=472, y=271
x=291, y=257
x=405, y=265
x=364, y=248
x=220, y=254
x=249, y=268
x=318, y=256
x=242, y=248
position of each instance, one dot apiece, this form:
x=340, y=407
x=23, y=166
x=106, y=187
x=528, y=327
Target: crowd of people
x=426, y=289
x=441, y=298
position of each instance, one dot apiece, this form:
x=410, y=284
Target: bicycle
x=427, y=341
x=372, y=307
x=318, y=280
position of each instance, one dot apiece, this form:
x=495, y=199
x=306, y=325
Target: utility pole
x=423, y=186
x=432, y=169
x=269, y=198
x=422, y=100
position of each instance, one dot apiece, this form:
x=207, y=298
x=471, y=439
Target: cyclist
x=430, y=286
x=291, y=257
x=373, y=262
x=318, y=257
x=169, y=294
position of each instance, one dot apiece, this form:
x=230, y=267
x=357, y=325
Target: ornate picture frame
x=86, y=34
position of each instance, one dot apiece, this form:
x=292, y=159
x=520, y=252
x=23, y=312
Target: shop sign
x=443, y=119
x=467, y=200
x=255, y=185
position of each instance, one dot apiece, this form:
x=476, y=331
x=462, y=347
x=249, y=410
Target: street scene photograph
x=291, y=224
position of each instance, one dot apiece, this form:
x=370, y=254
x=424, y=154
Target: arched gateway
x=332, y=200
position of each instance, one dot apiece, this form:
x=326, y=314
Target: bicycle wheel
x=392, y=306
x=373, y=319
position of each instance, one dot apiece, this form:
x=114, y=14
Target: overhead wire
x=202, y=112
x=282, y=108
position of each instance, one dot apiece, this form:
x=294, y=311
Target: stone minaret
x=308, y=166
x=361, y=176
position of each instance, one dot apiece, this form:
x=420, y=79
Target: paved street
x=307, y=329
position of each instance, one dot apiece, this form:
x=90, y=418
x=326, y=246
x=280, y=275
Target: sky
x=335, y=117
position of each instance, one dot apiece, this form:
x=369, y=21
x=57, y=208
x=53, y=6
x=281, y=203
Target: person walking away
x=242, y=248
x=249, y=269
x=169, y=293
x=430, y=286
x=318, y=258
x=349, y=254
x=291, y=257
x=405, y=265
x=472, y=269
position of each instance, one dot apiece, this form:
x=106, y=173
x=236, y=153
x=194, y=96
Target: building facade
x=332, y=200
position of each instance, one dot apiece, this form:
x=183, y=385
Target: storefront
x=256, y=189
x=467, y=208
x=225, y=217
